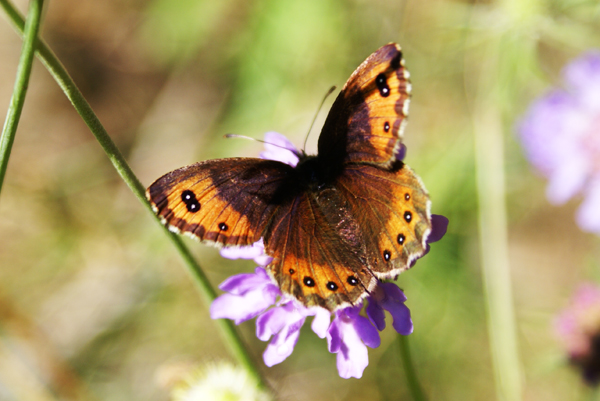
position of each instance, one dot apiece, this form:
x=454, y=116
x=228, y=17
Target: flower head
x=578, y=328
x=561, y=137
x=217, y=382
x=280, y=317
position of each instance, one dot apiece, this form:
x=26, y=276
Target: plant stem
x=493, y=233
x=59, y=73
x=409, y=369
x=21, y=84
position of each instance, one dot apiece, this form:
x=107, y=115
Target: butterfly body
x=336, y=222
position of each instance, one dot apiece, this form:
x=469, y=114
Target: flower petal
x=393, y=292
x=402, y=322
x=255, y=251
x=588, y=215
x=567, y=180
x=352, y=357
x=240, y=308
x=394, y=303
x=366, y=332
x=334, y=336
x=277, y=319
x=545, y=131
x=583, y=75
x=241, y=252
x=279, y=148
x=401, y=153
x=376, y=314
x=282, y=344
x=269, y=323
x=439, y=226
x=241, y=283
x=321, y=322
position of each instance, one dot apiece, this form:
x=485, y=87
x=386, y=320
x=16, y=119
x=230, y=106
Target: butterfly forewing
x=366, y=121
x=228, y=201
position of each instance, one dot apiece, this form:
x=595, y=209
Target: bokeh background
x=94, y=301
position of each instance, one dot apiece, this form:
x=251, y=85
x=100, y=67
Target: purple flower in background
x=280, y=318
x=578, y=328
x=561, y=137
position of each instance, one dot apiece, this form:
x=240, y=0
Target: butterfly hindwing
x=393, y=210
x=225, y=201
x=310, y=260
x=366, y=121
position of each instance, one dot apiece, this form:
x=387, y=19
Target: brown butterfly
x=336, y=222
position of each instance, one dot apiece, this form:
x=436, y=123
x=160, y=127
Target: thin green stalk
x=59, y=73
x=21, y=83
x=414, y=387
x=493, y=230
x=493, y=241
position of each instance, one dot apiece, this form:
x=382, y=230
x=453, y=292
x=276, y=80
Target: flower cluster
x=561, y=137
x=578, y=327
x=280, y=317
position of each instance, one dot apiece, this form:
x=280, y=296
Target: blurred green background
x=94, y=301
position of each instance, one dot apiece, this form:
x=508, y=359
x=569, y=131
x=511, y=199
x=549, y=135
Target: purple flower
x=391, y=298
x=578, y=328
x=247, y=295
x=280, y=317
x=255, y=251
x=284, y=323
x=348, y=336
x=561, y=137
x=278, y=147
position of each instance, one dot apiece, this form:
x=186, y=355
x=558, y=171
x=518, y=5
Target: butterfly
x=337, y=222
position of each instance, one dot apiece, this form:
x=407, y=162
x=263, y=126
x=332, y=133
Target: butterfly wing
x=366, y=121
x=311, y=262
x=355, y=214
x=227, y=201
x=234, y=202
x=392, y=208
x=330, y=243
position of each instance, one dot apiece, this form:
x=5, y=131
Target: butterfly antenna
x=228, y=136
x=329, y=92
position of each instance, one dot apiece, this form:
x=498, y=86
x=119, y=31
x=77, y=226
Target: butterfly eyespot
x=386, y=127
x=191, y=203
x=309, y=282
x=381, y=82
x=401, y=239
x=387, y=255
x=223, y=227
x=408, y=216
x=292, y=271
x=407, y=196
x=352, y=280
x=331, y=286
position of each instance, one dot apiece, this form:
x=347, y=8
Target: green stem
x=409, y=369
x=493, y=233
x=21, y=83
x=59, y=73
